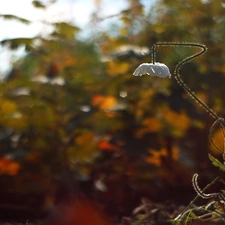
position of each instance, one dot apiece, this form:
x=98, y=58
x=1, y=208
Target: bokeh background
x=76, y=124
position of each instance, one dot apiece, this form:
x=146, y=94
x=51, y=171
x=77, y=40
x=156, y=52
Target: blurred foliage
x=13, y=17
x=73, y=114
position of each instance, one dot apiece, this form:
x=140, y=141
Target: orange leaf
x=84, y=138
x=104, y=145
x=79, y=211
x=218, y=139
x=153, y=124
x=104, y=102
x=13, y=168
x=8, y=167
x=157, y=155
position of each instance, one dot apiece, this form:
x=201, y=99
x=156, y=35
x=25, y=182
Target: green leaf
x=12, y=17
x=217, y=163
x=17, y=42
x=38, y=4
x=65, y=30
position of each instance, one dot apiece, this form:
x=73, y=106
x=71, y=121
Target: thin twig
x=196, y=197
x=180, y=64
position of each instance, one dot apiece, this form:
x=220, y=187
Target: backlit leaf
x=217, y=163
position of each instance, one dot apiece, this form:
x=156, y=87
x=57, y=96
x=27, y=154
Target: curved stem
x=153, y=53
x=180, y=64
x=221, y=122
x=179, y=217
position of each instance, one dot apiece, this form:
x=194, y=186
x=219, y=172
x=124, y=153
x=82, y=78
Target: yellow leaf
x=8, y=107
x=85, y=148
x=115, y=68
x=124, y=31
x=156, y=155
x=180, y=122
x=149, y=125
x=218, y=139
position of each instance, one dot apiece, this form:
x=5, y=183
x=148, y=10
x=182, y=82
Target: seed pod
x=156, y=69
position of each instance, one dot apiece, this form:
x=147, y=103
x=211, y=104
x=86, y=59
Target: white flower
x=156, y=69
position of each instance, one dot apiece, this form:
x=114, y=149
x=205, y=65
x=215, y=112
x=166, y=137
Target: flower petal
x=156, y=69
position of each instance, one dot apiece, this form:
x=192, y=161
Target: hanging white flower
x=156, y=69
